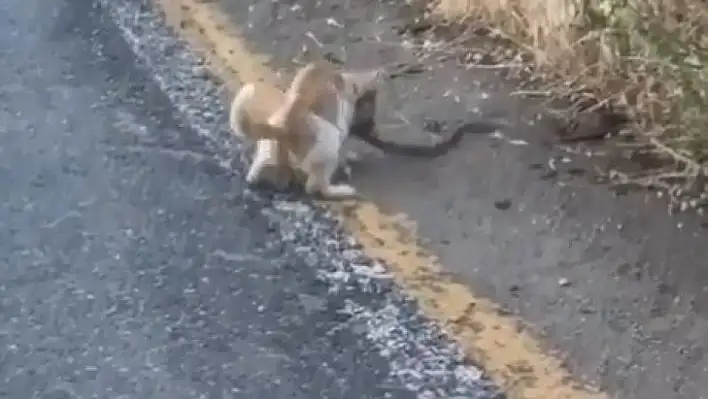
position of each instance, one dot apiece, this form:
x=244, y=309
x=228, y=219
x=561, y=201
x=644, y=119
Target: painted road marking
x=513, y=358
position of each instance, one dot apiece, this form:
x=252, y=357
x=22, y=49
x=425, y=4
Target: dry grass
x=648, y=57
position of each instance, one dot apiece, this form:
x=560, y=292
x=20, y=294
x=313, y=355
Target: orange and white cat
x=304, y=128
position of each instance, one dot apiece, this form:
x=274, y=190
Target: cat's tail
x=306, y=89
x=285, y=119
x=238, y=120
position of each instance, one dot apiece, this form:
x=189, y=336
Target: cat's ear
x=369, y=80
x=338, y=81
x=363, y=81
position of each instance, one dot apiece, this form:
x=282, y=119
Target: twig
x=620, y=178
x=404, y=69
x=691, y=165
x=493, y=66
x=314, y=39
x=403, y=118
x=537, y=93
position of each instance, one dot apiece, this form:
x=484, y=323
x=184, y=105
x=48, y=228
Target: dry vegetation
x=647, y=57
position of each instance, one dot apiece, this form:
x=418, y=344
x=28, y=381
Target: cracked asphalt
x=134, y=262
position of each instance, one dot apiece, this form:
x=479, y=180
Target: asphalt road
x=135, y=264
x=605, y=278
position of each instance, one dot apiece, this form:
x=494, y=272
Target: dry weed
x=645, y=57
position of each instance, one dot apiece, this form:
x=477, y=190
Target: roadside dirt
x=605, y=277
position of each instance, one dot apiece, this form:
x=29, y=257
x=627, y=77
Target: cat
x=303, y=128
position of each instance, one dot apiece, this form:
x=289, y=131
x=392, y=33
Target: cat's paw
x=340, y=191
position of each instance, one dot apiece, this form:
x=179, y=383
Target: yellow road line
x=513, y=358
